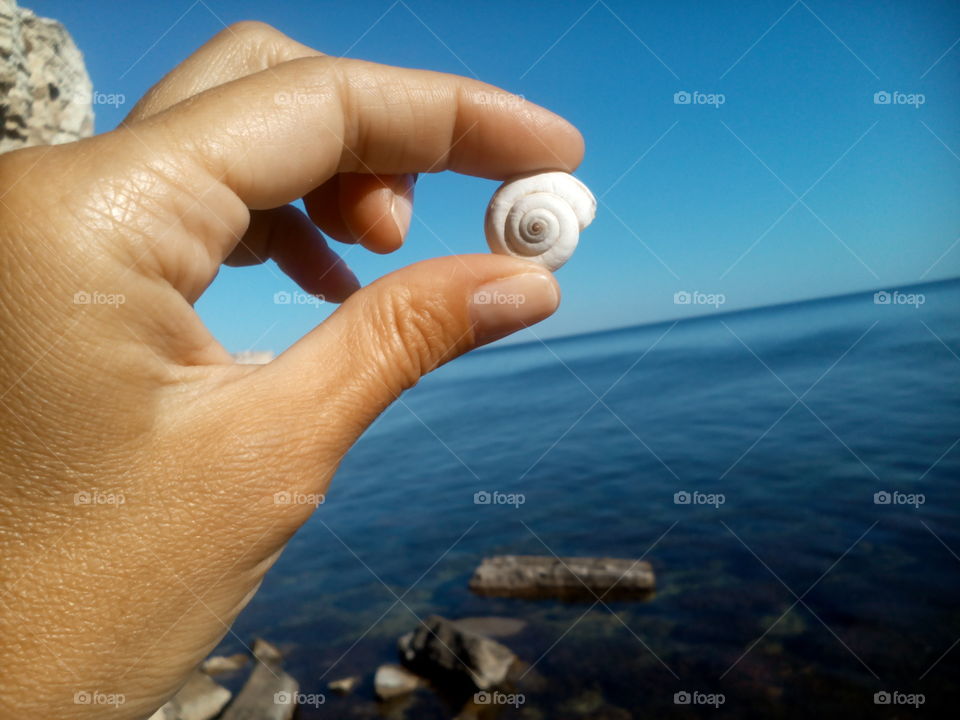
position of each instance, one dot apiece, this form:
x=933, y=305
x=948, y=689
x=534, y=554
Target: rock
x=492, y=627
x=224, y=663
x=269, y=694
x=46, y=94
x=344, y=686
x=266, y=652
x=200, y=698
x=392, y=681
x=441, y=650
x=535, y=576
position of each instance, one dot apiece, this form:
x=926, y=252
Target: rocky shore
x=465, y=661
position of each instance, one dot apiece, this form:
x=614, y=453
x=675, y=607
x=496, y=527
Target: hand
x=129, y=398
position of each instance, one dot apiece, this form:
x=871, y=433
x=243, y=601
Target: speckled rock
x=45, y=92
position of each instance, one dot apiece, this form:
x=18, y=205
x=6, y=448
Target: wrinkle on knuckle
x=410, y=334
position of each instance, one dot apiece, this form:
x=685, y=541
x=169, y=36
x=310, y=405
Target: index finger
x=273, y=136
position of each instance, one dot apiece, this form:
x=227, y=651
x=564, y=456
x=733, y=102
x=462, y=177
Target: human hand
x=136, y=400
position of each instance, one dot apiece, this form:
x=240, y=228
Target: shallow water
x=798, y=594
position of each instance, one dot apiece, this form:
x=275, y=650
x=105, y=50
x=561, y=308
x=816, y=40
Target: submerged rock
x=266, y=652
x=442, y=650
x=392, y=681
x=535, y=576
x=492, y=626
x=344, y=686
x=224, y=663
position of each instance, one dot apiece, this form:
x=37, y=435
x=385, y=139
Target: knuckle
x=252, y=31
x=411, y=334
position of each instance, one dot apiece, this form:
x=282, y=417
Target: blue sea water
x=799, y=594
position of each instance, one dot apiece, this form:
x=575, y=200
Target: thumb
x=386, y=336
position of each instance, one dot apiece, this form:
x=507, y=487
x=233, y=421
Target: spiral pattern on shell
x=539, y=217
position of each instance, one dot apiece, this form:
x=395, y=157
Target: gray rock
x=492, y=626
x=392, y=681
x=199, y=699
x=569, y=578
x=439, y=649
x=224, y=663
x=269, y=694
x=46, y=97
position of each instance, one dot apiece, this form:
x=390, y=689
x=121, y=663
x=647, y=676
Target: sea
x=792, y=473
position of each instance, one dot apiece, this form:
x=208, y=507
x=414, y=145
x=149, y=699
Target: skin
x=139, y=400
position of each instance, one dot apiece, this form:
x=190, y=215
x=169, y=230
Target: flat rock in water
x=576, y=578
x=442, y=650
x=224, y=663
x=199, y=699
x=269, y=694
x=392, y=681
x=492, y=627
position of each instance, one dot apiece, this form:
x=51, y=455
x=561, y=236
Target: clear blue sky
x=694, y=197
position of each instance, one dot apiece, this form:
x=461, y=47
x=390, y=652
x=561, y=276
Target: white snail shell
x=539, y=217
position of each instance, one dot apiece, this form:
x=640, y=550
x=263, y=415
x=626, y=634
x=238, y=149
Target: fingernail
x=401, y=206
x=504, y=306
